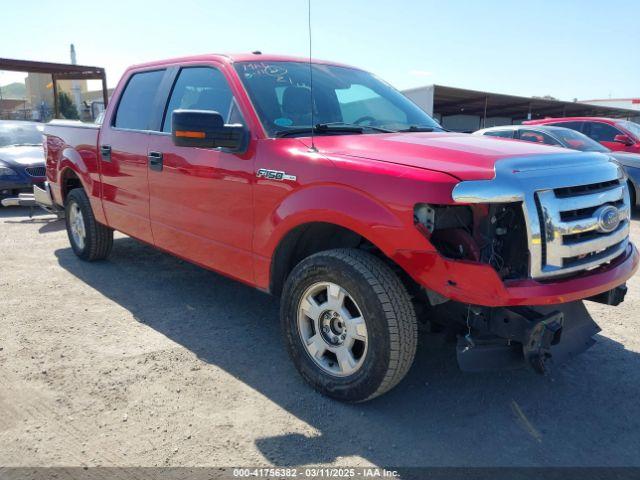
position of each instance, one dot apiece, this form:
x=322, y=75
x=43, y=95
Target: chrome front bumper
x=41, y=197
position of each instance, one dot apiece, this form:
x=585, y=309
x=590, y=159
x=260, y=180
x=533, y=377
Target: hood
x=465, y=156
x=26, y=155
x=627, y=159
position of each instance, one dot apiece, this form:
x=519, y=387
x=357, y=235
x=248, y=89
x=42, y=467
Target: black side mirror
x=623, y=139
x=205, y=129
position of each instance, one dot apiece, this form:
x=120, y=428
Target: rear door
x=123, y=155
x=200, y=198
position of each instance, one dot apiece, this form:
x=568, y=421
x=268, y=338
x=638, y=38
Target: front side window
x=536, y=136
x=603, y=132
x=202, y=88
x=281, y=94
x=577, y=141
x=136, y=103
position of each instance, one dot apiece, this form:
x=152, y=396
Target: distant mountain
x=14, y=90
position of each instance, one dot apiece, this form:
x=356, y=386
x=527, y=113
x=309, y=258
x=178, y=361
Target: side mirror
x=624, y=139
x=205, y=129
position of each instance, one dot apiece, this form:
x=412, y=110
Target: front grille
x=572, y=235
x=36, y=171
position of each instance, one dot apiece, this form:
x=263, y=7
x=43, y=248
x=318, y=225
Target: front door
x=200, y=199
x=605, y=134
x=123, y=157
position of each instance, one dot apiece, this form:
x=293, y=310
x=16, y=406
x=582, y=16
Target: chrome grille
x=562, y=197
x=36, y=171
x=571, y=231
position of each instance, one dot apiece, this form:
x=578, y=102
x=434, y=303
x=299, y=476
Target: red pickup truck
x=355, y=207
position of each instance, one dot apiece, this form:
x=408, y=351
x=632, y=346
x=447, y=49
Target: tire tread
x=99, y=240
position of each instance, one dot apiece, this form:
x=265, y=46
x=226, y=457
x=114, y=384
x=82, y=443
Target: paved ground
x=147, y=360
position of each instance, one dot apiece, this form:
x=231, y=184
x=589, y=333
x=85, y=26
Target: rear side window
x=500, y=133
x=136, y=104
x=577, y=126
x=202, y=88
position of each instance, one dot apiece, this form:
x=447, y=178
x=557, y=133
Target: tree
x=66, y=107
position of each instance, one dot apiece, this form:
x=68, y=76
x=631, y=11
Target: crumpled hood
x=467, y=157
x=26, y=155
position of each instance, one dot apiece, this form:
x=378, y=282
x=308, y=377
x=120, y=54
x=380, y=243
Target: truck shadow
x=21, y=212
x=50, y=222
x=585, y=413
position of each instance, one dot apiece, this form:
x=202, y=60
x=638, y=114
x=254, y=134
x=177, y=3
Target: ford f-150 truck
x=320, y=183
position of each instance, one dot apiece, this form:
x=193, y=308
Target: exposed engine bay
x=493, y=234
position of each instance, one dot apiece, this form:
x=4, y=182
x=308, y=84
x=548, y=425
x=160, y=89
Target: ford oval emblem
x=608, y=219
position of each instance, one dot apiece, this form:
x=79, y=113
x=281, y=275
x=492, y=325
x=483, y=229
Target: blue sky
x=565, y=48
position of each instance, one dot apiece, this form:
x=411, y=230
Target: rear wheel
x=89, y=239
x=349, y=324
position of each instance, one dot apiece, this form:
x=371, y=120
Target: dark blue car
x=21, y=157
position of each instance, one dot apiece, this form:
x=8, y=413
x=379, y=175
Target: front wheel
x=349, y=324
x=89, y=239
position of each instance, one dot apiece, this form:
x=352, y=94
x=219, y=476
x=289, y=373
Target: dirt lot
x=146, y=360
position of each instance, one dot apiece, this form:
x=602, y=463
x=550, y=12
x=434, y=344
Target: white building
x=628, y=103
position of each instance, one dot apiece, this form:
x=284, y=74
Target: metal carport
x=58, y=71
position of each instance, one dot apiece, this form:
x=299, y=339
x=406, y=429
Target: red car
x=613, y=133
x=379, y=220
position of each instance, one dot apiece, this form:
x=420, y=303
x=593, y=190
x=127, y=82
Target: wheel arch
x=69, y=180
x=347, y=219
x=74, y=173
x=304, y=240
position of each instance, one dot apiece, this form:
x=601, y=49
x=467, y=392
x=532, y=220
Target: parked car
x=353, y=206
x=567, y=138
x=21, y=157
x=613, y=133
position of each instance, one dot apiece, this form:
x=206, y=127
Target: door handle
x=155, y=161
x=105, y=152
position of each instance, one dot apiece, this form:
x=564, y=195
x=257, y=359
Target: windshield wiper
x=318, y=129
x=418, y=128
x=323, y=126
x=332, y=127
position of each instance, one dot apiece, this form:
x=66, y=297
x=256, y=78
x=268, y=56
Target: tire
x=379, y=354
x=89, y=239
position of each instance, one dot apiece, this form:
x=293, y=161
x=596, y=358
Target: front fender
x=389, y=230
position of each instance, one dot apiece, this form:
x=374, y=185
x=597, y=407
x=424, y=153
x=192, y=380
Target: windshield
x=578, y=141
x=20, y=133
x=281, y=95
x=632, y=127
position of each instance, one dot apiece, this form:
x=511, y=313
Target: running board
x=22, y=200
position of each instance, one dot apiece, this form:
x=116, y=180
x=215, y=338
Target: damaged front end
x=540, y=225
x=537, y=337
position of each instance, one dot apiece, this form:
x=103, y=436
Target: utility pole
x=75, y=85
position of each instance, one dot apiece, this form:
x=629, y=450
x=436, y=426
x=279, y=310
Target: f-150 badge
x=274, y=175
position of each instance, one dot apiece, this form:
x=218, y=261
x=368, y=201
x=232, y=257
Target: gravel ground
x=146, y=360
